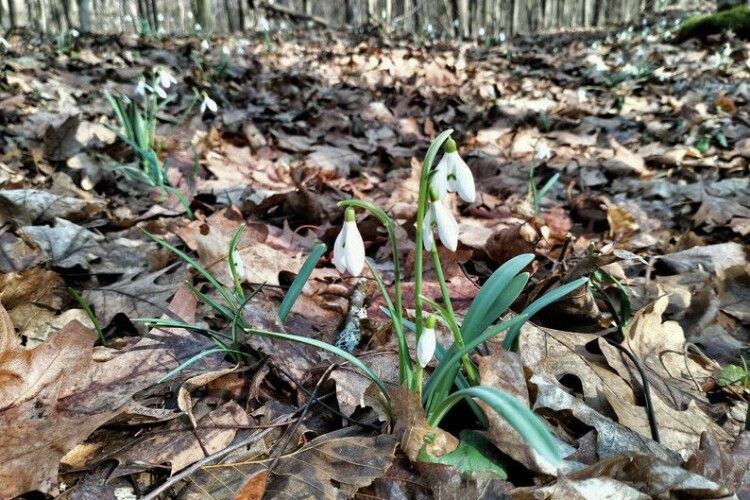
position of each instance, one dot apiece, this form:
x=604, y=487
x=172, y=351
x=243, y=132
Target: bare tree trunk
x=463, y=18
x=307, y=7
x=84, y=17
x=388, y=14
x=230, y=17
x=241, y=15
x=12, y=13
x=154, y=11
x=371, y=14
x=351, y=12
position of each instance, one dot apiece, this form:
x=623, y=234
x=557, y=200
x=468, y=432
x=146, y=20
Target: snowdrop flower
x=481, y=32
x=205, y=45
x=74, y=33
x=349, y=249
x=159, y=91
x=501, y=37
x=208, y=104
x=165, y=78
x=439, y=216
x=263, y=24
x=453, y=175
x=4, y=43
x=141, y=87
x=160, y=17
x=427, y=342
x=542, y=152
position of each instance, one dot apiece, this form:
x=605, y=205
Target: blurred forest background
x=443, y=18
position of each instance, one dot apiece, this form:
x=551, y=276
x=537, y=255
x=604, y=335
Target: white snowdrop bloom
x=439, y=216
x=159, y=91
x=427, y=342
x=727, y=50
x=165, y=78
x=205, y=45
x=74, y=33
x=160, y=18
x=349, y=249
x=142, y=87
x=197, y=27
x=481, y=32
x=501, y=37
x=542, y=152
x=263, y=24
x=208, y=104
x=4, y=43
x=453, y=175
x=430, y=28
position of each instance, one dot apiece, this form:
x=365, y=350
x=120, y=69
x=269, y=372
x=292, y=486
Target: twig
x=351, y=334
x=292, y=430
x=215, y=456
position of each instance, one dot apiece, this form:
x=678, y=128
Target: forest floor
x=652, y=144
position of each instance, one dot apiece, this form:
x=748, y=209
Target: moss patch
x=736, y=19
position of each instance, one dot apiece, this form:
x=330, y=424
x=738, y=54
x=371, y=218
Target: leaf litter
x=653, y=190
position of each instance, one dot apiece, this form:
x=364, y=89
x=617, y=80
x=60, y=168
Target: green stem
x=422, y=200
x=404, y=368
x=471, y=371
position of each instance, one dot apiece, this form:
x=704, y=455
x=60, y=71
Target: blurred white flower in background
x=205, y=45
x=208, y=104
x=542, y=152
x=74, y=33
x=165, y=78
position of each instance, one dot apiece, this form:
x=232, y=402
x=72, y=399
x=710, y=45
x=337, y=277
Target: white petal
x=354, y=249
x=203, y=106
x=464, y=181
x=447, y=226
x=160, y=92
x=211, y=104
x=440, y=177
x=428, y=239
x=339, y=258
x=426, y=346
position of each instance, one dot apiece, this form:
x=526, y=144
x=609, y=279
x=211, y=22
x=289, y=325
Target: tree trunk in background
x=241, y=15
x=463, y=18
x=12, y=12
x=371, y=14
x=154, y=15
x=230, y=17
x=307, y=7
x=351, y=12
x=388, y=14
x=84, y=18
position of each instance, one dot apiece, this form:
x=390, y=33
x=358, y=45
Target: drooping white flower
x=349, y=249
x=263, y=24
x=480, y=32
x=542, y=152
x=74, y=33
x=160, y=17
x=204, y=43
x=427, y=342
x=453, y=175
x=208, y=104
x=159, y=91
x=440, y=217
x=501, y=37
x=141, y=87
x=165, y=78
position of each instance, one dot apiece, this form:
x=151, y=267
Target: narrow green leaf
x=489, y=292
x=522, y=419
x=504, y=299
x=299, y=281
x=511, y=340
